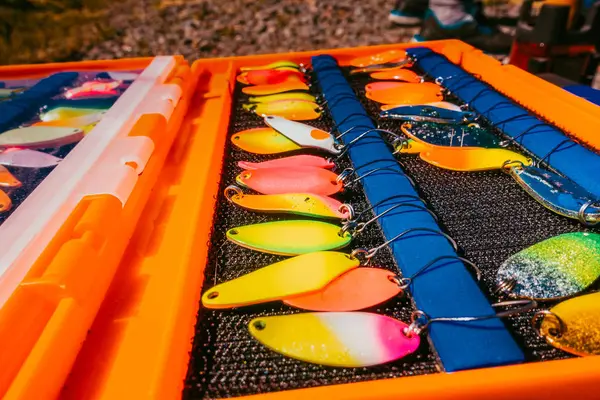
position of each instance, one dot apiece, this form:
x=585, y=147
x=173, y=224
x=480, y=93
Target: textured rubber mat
x=488, y=215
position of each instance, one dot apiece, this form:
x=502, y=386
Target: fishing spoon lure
x=303, y=135
x=398, y=74
x=555, y=268
x=283, y=64
x=289, y=238
x=306, y=204
x=353, y=339
x=7, y=180
x=430, y=135
x=26, y=158
x=472, y=158
x=313, y=180
x=263, y=141
x=269, y=76
x=379, y=58
x=302, y=274
x=303, y=160
x=362, y=287
x=291, y=180
x=572, y=325
x=429, y=114
x=290, y=83
x=40, y=137
x=558, y=194
x=292, y=109
x=5, y=202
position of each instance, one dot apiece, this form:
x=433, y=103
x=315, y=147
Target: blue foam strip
x=447, y=291
x=571, y=159
x=23, y=107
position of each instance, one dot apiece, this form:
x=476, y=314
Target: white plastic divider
x=99, y=164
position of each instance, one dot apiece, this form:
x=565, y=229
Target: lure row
x=336, y=284
x=65, y=120
x=448, y=136
x=281, y=89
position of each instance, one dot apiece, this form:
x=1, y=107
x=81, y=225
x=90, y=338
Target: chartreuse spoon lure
x=555, y=268
x=68, y=112
x=283, y=96
x=472, y=158
x=7, y=179
x=296, y=110
x=290, y=238
x=40, y=137
x=291, y=180
x=274, y=65
x=74, y=122
x=287, y=85
x=558, y=194
x=307, y=204
x=303, y=160
x=263, y=141
x=302, y=274
x=26, y=158
x=5, y=202
x=302, y=134
x=338, y=339
x=572, y=325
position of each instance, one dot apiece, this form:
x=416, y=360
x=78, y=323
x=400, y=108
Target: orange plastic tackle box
x=134, y=327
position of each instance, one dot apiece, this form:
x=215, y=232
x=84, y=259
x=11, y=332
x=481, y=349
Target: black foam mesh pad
x=487, y=213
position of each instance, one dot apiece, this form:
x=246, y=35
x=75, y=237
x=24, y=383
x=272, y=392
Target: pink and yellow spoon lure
x=302, y=274
x=291, y=180
x=307, y=204
x=337, y=339
x=303, y=160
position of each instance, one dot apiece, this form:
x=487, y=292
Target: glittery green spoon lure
x=559, y=267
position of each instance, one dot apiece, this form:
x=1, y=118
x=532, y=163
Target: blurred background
x=33, y=31
x=553, y=36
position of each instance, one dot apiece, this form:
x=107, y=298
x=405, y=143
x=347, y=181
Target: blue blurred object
x=586, y=92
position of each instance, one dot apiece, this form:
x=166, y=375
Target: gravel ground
x=221, y=28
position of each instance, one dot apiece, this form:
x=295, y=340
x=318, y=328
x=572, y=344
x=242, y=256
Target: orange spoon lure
x=7, y=179
x=5, y=202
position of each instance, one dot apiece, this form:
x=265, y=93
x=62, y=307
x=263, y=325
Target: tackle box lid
x=69, y=225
